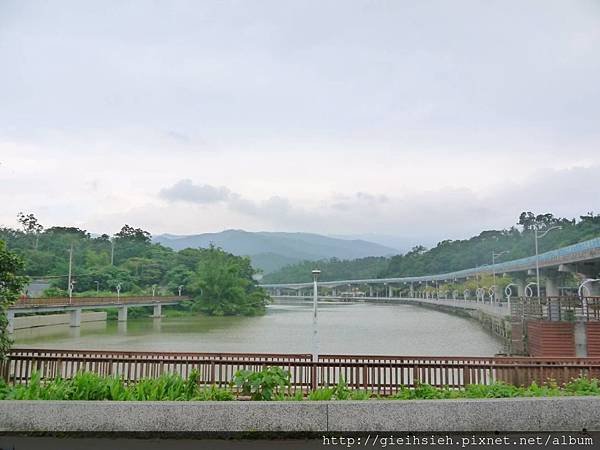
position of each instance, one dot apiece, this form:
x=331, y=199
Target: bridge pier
x=551, y=284
x=10, y=317
x=75, y=321
x=122, y=314
x=157, y=311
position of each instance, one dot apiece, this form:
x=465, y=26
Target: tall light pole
x=112, y=252
x=315, y=340
x=70, y=284
x=537, y=255
x=494, y=256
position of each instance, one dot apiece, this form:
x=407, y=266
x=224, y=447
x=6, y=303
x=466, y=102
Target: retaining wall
x=21, y=322
x=520, y=414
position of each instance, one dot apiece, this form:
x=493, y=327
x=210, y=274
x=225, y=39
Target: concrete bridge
x=76, y=304
x=582, y=259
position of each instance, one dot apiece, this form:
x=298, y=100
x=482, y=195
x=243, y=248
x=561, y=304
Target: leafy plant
x=262, y=385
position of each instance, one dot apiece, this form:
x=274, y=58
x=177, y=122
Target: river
x=344, y=328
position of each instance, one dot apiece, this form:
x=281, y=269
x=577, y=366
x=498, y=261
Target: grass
x=90, y=386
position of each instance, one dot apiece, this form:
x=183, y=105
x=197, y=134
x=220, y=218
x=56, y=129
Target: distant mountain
x=270, y=251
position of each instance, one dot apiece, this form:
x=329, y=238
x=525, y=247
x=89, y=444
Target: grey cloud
x=185, y=190
x=180, y=138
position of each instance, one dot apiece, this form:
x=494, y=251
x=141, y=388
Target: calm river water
x=356, y=328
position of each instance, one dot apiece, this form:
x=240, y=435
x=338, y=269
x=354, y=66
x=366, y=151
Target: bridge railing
x=82, y=301
x=383, y=375
x=563, y=308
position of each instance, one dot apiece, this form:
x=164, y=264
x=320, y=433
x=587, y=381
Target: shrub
x=214, y=393
x=262, y=385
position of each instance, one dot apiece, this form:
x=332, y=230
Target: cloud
x=201, y=194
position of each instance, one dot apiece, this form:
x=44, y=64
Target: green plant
x=262, y=385
x=321, y=394
x=583, y=386
x=214, y=393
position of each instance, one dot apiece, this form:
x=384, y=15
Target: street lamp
x=315, y=341
x=508, y=292
x=537, y=255
x=583, y=286
x=118, y=292
x=180, y=288
x=494, y=256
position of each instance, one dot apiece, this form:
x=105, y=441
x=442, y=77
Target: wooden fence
x=379, y=374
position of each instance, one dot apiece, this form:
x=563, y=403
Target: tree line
x=452, y=255
x=219, y=283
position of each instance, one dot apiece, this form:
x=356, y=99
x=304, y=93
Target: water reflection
x=358, y=328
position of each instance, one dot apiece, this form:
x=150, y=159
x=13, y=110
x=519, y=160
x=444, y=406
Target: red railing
x=379, y=374
x=83, y=301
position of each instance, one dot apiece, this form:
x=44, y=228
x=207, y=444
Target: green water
x=356, y=328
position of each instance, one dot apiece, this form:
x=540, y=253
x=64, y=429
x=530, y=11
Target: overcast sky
x=420, y=120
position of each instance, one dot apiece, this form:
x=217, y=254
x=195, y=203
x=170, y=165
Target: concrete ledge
x=503, y=414
x=522, y=414
x=145, y=417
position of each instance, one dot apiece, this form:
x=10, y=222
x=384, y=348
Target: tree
x=30, y=225
x=224, y=285
x=134, y=234
x=11, y=285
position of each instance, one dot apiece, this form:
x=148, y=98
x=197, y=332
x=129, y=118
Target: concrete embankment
x=21, y=322
x=520, y=414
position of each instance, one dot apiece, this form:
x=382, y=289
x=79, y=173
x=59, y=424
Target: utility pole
x=537, y=253
x=315, y=342
x=112, y=252
x=70, y=285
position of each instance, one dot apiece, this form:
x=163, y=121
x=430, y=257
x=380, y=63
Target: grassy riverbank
x=271, y=384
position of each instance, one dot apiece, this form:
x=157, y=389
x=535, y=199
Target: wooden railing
x=83, y=301
x=379, y=374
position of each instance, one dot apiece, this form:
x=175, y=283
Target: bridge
x=75, y=305
x=582, y=259
x=554, y=323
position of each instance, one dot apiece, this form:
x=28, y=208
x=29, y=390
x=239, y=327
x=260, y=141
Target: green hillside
x=448, y=256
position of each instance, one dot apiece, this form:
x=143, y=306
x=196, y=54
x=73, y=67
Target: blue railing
x=577, y=252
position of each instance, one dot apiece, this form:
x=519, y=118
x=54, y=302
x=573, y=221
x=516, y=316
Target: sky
x=405, y=121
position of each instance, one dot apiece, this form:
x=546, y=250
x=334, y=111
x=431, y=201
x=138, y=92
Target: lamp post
x=494, y=256
x=537, y=255
x=97, y=286
x=315, y=340
x=119, y=293
x=69, y=282
x=180, y=289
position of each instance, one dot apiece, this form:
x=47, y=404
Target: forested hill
x=448, y=256
x=270, y=251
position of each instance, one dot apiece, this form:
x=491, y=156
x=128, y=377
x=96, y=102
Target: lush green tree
x=224, y=285
x=11, y=285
